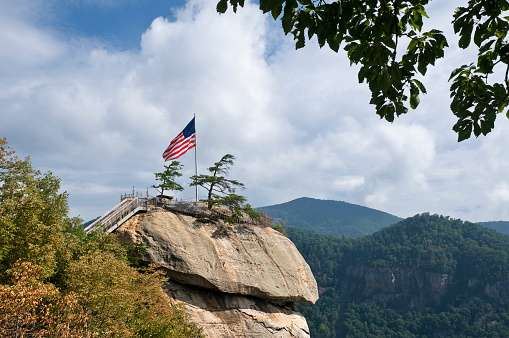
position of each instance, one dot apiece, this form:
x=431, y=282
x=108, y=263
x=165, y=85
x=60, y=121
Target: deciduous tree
x=33, y=213
x=386, y=39
x=121, y=302
x=57, y=281
x=30, y=308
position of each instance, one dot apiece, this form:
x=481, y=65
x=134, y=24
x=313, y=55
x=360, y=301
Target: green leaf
x=400, y=109
x=478, y=38
x=276, y=11
x=288, y=14
x=420, y=10
x=464, y=129
x=414, y=101
x=459, y=20
x=466, y=34
x=456, y=72
x=301, y=42
x=484, y=63
x=333, y=44
x=477, y=129
x=389, y=42
x=361, y=75
x=222, y=6
x=388, y=112
x=412, y=45
x=396, y=73
x=414, y=90
x=377, y=100
x=384, y=81
x=421, y=65
x=266, y=5
x=487, y=126
x=357, y=53
x=454, y=86
x=420, y=85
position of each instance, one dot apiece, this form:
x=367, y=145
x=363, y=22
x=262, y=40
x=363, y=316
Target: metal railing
x=214, y=213
x=130, y=205
x=115, y=217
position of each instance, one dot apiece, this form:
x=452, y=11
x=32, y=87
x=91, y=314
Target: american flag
x=182, y=143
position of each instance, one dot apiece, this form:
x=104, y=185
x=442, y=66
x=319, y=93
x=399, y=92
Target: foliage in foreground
x=387, y=40
x=57, y=281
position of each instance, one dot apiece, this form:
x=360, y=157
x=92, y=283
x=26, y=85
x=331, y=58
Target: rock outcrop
x=229, y=315
x=234, y=280
x=496, y=291
x=412, y=288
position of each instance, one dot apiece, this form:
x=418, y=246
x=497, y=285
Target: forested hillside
x=426, y=276
x=499, y=226
x=330, y=217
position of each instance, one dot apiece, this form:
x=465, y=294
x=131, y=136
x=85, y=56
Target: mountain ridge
x=499, y=226
x=427, y=275
x=301, y=213
x=330, y=217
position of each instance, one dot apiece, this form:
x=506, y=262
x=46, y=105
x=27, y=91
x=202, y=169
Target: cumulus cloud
x=25, y=48
x=297, y=121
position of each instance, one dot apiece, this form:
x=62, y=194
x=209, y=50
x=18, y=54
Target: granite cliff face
x=412, y=288
x=416, y=289
x=234, y=280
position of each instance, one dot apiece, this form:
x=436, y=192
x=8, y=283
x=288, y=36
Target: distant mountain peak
x=331, y=217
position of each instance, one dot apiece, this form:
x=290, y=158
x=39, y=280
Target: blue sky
x=94, y=91
x=118, y=24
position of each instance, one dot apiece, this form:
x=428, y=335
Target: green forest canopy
x=427, y=243
x=56, y=281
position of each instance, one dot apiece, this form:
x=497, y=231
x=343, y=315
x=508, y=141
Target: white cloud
x=298, y=121
x=26, y=48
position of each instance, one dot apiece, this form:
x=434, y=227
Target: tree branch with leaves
x=375, y=31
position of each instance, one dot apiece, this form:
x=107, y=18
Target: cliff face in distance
x=234, y=280
x=427, y=275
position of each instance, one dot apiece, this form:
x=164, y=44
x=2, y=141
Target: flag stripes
x=182, y=143
x=178, y=147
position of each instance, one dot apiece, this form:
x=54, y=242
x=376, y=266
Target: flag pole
x=195, y=157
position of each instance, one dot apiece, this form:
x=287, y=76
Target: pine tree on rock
x=167, y=178
x=220, y=190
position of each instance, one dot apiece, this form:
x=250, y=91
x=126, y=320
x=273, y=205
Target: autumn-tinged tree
x=30, y=308
x=121, y=301
x=57, y=281
x=33, y=213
